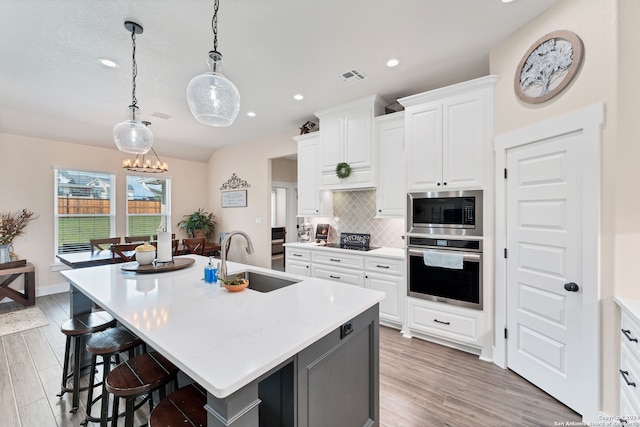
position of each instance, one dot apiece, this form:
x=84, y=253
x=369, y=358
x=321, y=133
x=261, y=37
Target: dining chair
x=127, y=251
x=139, y=239
x=194, y=245
x=98, y=245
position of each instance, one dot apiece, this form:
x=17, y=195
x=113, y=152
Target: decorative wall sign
x=234, y=183
x=234, y=199
x=548, y=67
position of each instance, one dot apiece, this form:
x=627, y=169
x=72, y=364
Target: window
x=85, y=209
x=148, y=205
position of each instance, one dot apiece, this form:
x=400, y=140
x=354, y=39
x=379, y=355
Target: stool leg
x=106, y=368
x=114, y=411
x=128, y=418
x=65, y=368
x=92, y=377
x=76, y=375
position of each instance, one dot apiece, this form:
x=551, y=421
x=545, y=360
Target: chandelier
x=213, y=99
x=132, y=136
x=142, y=163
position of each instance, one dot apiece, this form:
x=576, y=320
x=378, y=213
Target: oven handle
x=467, y=256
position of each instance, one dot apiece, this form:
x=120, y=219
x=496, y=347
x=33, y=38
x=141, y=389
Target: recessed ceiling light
x=393, y=62
x=505, y=1
x=298, y=97
x=251, y=114
x=109, y=63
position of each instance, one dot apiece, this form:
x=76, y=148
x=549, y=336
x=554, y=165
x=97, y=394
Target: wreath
x=343, y=170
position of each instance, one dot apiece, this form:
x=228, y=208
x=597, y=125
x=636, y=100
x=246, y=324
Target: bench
x=28, y=296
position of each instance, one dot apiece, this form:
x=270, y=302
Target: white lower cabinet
x=450, y=323
x=298, y=261
x=629, y=367
x=387, y=275
x=382, y=273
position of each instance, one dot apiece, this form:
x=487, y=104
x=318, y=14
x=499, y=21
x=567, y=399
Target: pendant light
x=144, y=164
x=212, y=98
x=132, y=136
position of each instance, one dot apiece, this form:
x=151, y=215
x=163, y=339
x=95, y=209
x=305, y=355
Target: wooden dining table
x=89, y=259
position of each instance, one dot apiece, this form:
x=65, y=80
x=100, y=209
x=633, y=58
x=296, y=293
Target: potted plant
x=235, y=284
x=198, y=224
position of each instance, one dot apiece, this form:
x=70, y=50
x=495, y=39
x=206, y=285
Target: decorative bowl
x=237, y=287
x=145, y=254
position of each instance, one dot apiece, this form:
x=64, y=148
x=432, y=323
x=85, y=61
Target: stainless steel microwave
x=456, y=213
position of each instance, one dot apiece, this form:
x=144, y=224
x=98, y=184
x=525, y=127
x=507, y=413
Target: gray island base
x=325, y=374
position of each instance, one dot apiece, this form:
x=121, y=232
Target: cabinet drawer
x=299, y=254
x=630, y=333
x=338, y=274
x=384, y=265
x=448, y=324
x=338, y=259
x=630, y=374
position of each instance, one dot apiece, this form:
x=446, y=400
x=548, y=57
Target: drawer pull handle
x=624, y=375
x=297, y=254
x=334, y=260
x=441, y=322
x=382, y=266
x=335, y=277
x=627, y=333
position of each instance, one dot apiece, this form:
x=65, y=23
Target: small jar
x=145, y=254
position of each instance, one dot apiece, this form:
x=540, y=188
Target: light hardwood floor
x=421, y=384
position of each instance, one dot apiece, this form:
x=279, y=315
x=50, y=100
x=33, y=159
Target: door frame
x=589, y=121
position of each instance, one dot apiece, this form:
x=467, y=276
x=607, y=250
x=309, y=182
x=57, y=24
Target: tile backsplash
x=354, y=212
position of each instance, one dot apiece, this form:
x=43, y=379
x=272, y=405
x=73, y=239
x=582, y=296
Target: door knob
x=571, y=287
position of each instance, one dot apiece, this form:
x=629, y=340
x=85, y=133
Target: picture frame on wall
x=234, y=199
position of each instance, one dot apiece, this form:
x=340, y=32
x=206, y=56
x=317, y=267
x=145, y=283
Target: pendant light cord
x=214, y=24
x=134, y=74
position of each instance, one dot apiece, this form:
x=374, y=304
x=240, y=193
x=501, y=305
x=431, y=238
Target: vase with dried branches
x=12, y=225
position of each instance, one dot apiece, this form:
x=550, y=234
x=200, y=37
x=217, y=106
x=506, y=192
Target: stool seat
x=88, y=324
x=108, y=345
x=76, y=329
x=114, y=340
x=140, y=375
x=183, y=407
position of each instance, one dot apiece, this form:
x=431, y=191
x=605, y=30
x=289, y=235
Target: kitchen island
x=302, y=355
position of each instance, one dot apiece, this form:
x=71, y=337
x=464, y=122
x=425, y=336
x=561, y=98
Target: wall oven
x=461, y=285
x=445, y=213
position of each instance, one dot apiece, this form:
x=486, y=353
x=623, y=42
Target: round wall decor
x=343, y=170
x=548, y=66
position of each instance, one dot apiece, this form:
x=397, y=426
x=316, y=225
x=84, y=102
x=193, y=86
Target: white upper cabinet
x=311, y=201
x=346, y=136
x=449, y=135
x=391, y=196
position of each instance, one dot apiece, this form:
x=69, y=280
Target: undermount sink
x=265, y=283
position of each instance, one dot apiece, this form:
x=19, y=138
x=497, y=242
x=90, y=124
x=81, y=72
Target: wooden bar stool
x=183, y=407
x=76, y=329
x=108, y=344
x=139, y=376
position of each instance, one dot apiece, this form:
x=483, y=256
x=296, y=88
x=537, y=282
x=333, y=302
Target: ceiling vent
x=351, y=77
x=160, y=115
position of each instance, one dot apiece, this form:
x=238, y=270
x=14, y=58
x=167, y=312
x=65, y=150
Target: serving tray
x=177, y=264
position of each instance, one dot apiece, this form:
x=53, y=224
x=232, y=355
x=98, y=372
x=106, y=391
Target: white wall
x=599, y=80
x=27, y=181
x=251, y=162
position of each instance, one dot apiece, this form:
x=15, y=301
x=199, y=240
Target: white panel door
x=544, y=242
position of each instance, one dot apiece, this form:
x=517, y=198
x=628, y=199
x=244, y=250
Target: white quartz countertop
x=630, y=305
x=382, y=252
x=222, y=340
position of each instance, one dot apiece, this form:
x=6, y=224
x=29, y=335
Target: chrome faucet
x=222, y=271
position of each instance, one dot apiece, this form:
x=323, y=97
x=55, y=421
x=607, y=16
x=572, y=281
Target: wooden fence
x=101, y=207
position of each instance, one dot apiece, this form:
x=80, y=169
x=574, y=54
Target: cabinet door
x=297, y=267
x=308, y=194
x=332, y=137
x=424, y=147
x=464, y=141
x=390, y=285
x=358, y=137
x=391, y=199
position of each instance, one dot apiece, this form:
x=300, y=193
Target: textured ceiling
x=52, y=86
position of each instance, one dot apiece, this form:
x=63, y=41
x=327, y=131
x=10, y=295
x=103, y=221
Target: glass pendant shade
x=132, y=136
x=212, y=98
